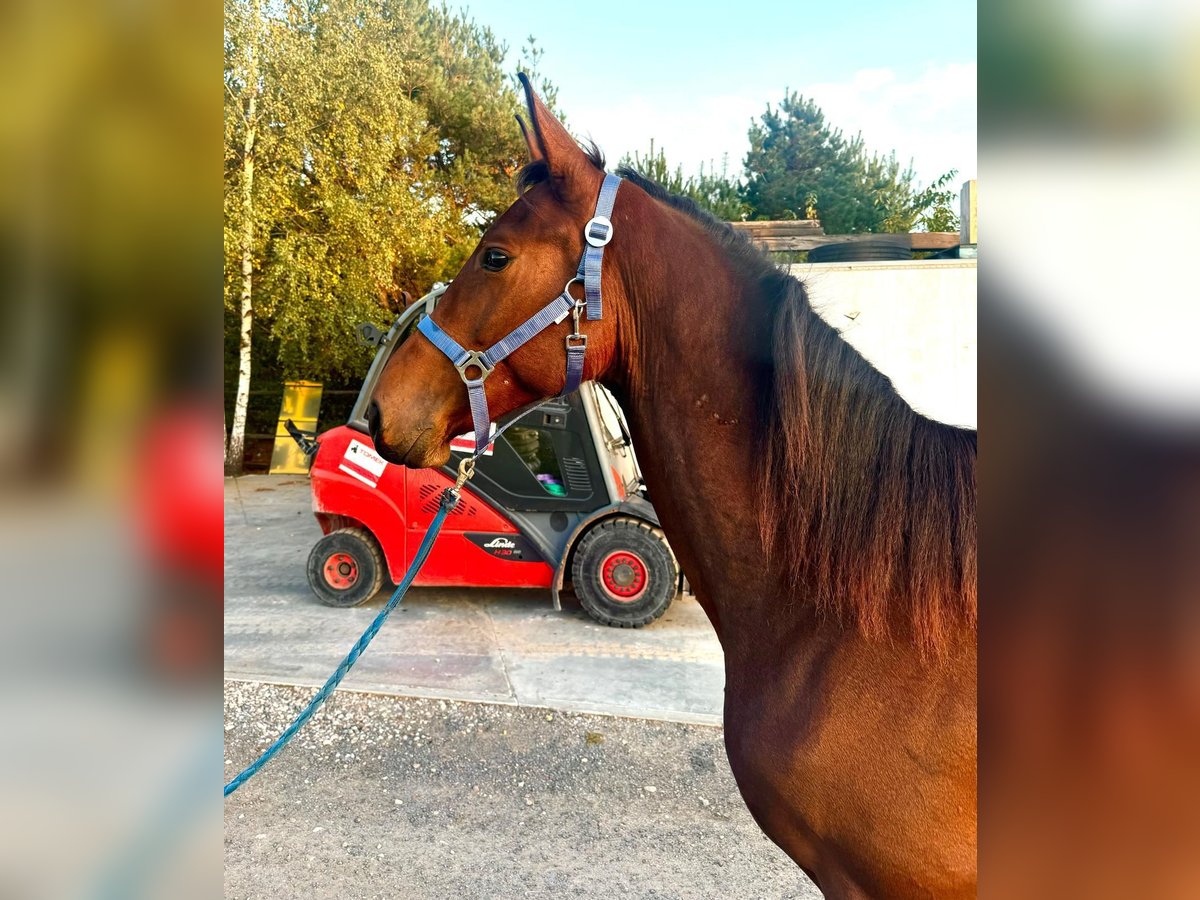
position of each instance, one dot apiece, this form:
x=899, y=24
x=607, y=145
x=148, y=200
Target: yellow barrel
x=301, y=404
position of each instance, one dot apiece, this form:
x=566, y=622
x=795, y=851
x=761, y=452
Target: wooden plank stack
x=804, y=234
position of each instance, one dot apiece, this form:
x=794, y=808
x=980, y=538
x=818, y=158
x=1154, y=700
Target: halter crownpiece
x=596, y=234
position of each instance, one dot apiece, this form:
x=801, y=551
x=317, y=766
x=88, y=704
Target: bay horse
x=827, y=529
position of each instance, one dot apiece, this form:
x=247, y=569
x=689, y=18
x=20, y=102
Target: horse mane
x=872, y=512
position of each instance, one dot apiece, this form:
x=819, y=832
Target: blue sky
x=693, y=75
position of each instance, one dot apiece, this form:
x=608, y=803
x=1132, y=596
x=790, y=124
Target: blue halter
x=596, y=233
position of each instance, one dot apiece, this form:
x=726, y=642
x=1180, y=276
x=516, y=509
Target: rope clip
x=466, y=471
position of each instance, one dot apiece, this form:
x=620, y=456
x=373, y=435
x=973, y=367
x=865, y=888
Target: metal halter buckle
x=581, y=338
x=605, y=228
x=474, y=358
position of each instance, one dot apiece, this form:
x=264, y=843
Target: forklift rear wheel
x=345, y=567
x=624, y=573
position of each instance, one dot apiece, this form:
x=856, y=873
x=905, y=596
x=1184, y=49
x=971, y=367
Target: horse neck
x=691, y=339
x=876, y=508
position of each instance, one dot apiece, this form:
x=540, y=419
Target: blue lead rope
x=449, y=500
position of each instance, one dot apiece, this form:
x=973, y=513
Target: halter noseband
x=596, y=234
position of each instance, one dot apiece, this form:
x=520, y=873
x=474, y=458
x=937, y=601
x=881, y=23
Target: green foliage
x=797, y=161
x=936, y=203
x=799, y=166
x=714, y=191
x=904, y=207
x=386, y=143
x=460, y=79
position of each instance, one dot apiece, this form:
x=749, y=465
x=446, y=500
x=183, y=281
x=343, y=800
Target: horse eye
x=494, y=260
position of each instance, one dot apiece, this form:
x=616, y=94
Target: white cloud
x=930, y=118
x=701, y=130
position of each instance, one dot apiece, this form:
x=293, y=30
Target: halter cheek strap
x=474, y=366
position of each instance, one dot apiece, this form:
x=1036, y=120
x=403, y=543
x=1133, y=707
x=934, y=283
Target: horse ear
x=554, y=142
x=531, y=142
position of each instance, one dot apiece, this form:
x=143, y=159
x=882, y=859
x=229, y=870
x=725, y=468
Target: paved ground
x=407, y=798
x=498, y=646
x=408, y=792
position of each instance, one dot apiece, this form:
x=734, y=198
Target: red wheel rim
x=341, y=571
x=623, y=576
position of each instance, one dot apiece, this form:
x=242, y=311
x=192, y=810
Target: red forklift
x=557, y=498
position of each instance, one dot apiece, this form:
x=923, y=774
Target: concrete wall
x=915, y=321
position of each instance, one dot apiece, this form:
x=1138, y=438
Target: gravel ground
x=385, y=796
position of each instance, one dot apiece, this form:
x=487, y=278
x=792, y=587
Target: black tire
x=641, y=575
x=878, y=247
x=346, y=567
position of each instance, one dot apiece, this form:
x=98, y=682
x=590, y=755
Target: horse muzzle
x=417, y=447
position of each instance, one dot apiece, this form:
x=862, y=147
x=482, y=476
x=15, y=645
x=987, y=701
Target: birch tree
x=244, y=29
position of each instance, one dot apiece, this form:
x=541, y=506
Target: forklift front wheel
x=345, y=567
x=624, y=573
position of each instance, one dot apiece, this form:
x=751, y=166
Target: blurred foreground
x=1090, y=475
x=110, y=450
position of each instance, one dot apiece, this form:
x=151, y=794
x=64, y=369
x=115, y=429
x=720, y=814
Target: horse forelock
x=538, y=171
x=870, y=506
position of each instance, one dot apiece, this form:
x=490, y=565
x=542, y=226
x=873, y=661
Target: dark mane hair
x=872, y=518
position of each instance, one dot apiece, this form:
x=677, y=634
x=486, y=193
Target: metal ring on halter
x=474, y=358
x=580, y=302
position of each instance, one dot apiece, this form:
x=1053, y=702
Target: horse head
x=523, y=261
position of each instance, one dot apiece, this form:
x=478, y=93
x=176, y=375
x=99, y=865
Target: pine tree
x=799, y=165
